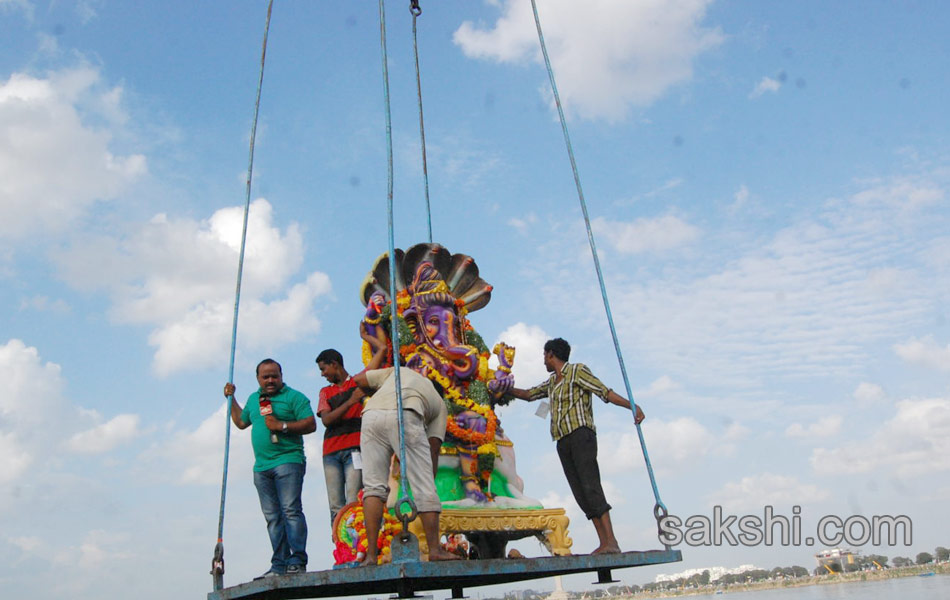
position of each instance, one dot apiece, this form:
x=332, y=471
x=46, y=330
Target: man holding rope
x=279, y=417
x=572, y=426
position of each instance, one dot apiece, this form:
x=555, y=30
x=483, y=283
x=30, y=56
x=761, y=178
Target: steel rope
x=394, y=317
x=659, y=509
x=217, y=563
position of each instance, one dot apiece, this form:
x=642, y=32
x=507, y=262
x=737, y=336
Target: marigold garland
x=483, y=410
x=350, y=534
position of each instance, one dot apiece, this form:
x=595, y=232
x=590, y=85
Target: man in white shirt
x=424, y=418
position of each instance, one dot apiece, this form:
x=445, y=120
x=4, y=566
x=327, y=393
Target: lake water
x=936, y=587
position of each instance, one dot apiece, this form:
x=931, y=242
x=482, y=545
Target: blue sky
x=768, y=184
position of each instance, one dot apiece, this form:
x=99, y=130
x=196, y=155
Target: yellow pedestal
x=549, y=525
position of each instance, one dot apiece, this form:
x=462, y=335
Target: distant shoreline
x=829, y=579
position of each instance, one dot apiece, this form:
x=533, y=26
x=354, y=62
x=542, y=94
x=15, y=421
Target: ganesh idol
x=436, y=291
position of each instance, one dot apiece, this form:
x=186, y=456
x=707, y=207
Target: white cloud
x=740, y=198
x=659, y=386
x=27, y=544
x=522, y=224
x=177, y=275
x=823, y=427
x=528, y=341
x=54, y=163
x=869, y=393
x=103, y=438
x=767, y=84
x=735, y=432
x=809, y=302
x=31, y=409
x=916, y=441
x=756, y=491
x=15, y=458
x=24, y=5
x=43, y=304
x=196, y=455
x=606, y=58
x=646, y=235
x=906, y=193
x=26, y=376
x=98, y=548
x=925, y=352
x=673, y=445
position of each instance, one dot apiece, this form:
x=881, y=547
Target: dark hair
x=330, y=356
x=268, y=361
x=559, y=348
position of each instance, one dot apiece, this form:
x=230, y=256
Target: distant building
x=836, y=557
x=715, y=573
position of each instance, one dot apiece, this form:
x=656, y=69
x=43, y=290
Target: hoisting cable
x=217, y=562
x=659, y=509
x=416, y=11
x=394, y=318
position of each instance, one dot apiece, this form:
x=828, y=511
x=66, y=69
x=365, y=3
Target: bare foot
x=611, y=549
x=442, y=555
x=369, y=561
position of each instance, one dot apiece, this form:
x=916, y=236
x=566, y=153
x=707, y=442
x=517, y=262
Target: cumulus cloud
x=196, y=453
x=25, y=375
x=528, y=341
x=735, y=432
x=916, y=441
x=756, y=491
x=607, y=58
x=925, y=352
x=823, y=427
x=869, y=393
x=33, y=435
x=15, y=458
x=177, y=276
x=659, y=386
x=767, y=84
x=103, y=438
x=674, y=445
x=56, y=150
x=646, y=235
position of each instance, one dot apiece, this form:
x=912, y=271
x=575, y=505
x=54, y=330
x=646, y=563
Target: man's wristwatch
x=284, y=428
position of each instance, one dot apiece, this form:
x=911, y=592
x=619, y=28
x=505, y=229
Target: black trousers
x=578, y=453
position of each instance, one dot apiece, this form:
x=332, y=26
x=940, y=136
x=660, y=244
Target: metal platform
x=406, y=578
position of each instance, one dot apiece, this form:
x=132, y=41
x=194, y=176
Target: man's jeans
x=279, y=491
x=343, y=480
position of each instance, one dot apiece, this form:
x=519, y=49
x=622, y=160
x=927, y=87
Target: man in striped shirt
x=569, y=388
x=340, y=408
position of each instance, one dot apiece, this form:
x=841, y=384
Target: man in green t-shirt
x=279, y=417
